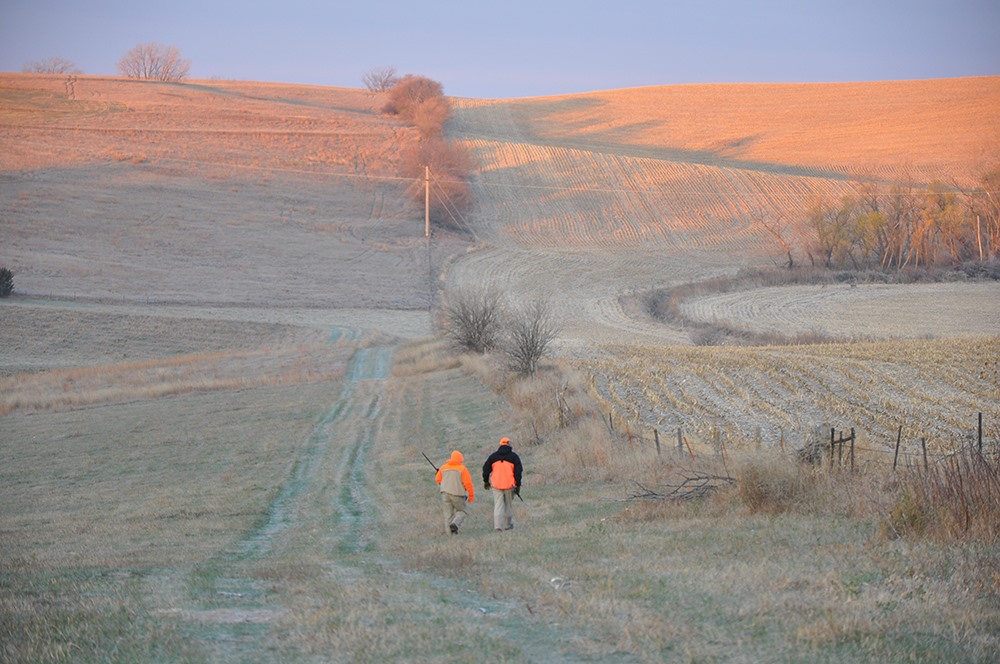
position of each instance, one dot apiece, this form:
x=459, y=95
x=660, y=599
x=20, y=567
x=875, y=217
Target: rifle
x=430, y=462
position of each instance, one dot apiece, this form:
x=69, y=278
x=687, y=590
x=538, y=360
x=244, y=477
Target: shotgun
x=430, y=462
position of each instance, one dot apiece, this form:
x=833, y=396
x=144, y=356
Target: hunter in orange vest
x=502, y=473
x=456, y=489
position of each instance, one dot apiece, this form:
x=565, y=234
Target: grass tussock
x=772, y=484
x=958, y=498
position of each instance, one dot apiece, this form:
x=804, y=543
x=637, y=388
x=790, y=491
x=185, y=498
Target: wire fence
x=839, y=451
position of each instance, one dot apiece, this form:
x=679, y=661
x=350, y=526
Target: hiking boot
x=510, y=527
x=499, y=530
x=454, y=529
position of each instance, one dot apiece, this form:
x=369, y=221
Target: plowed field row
x=933, y=389
x=580, y=198
x=865, y=311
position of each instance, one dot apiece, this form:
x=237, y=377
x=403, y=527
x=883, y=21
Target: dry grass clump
x=958, y=498
x=773, y=484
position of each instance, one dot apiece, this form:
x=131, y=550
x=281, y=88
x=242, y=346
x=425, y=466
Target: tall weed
x=954, y=499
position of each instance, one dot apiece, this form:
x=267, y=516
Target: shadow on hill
x=216, y=90
x=622, y=140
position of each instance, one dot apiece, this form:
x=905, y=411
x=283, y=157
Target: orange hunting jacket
x=454, y=477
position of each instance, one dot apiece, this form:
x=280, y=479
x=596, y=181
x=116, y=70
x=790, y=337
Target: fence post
x=899, y=437
x=980, y=432
x=833, y=433
x=852, y=450
x=923, y=444
x=656, y=437
x=680, y=441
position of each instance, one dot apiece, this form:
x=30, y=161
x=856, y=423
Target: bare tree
x=53, y=65
x=154, y=62
x=379, y=79
x=779, y=230
x=473, y=319
x=530, y=332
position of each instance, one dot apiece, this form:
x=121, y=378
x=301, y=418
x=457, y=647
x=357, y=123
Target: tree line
x=897, y=227
x=420, y=103
x=148, y=61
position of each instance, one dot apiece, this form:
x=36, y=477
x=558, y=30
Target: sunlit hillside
x=708, y=166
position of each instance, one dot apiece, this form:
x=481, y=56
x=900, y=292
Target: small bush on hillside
x=530, y=332
x=472, y=320
x=6, y=282
x=407, y=95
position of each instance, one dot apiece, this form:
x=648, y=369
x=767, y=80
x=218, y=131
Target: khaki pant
x=454, y=509
x=503, y=509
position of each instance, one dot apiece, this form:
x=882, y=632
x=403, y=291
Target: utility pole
x=427, y=234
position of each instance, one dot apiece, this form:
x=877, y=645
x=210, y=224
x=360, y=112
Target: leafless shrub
x=379, y=79
x=473, y=320
x=154, y=62
x=530, y=332
x=53, y=65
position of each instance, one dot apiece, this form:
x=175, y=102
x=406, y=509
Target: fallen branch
x=695, y=484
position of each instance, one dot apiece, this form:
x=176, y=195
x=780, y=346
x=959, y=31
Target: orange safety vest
x=502, y=475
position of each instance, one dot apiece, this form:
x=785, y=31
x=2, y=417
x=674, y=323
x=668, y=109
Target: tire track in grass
x=225, y=610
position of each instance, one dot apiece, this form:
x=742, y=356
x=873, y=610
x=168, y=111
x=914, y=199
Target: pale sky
x=520, y=48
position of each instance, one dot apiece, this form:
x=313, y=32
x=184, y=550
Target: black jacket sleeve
x=488, y=468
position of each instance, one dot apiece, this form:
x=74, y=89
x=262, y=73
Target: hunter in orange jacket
x=456, y=484
x=502, y=473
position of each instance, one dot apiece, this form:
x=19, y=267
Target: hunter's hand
x=517, y=491
x=486, y=485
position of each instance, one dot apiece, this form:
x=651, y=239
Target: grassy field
x=301, y=523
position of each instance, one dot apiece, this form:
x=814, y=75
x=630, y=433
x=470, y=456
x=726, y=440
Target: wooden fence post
x=852, y=449
x=833, y=433
x=923, y=444
x=899, y=437
x=656, y=437
x=980, y=432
